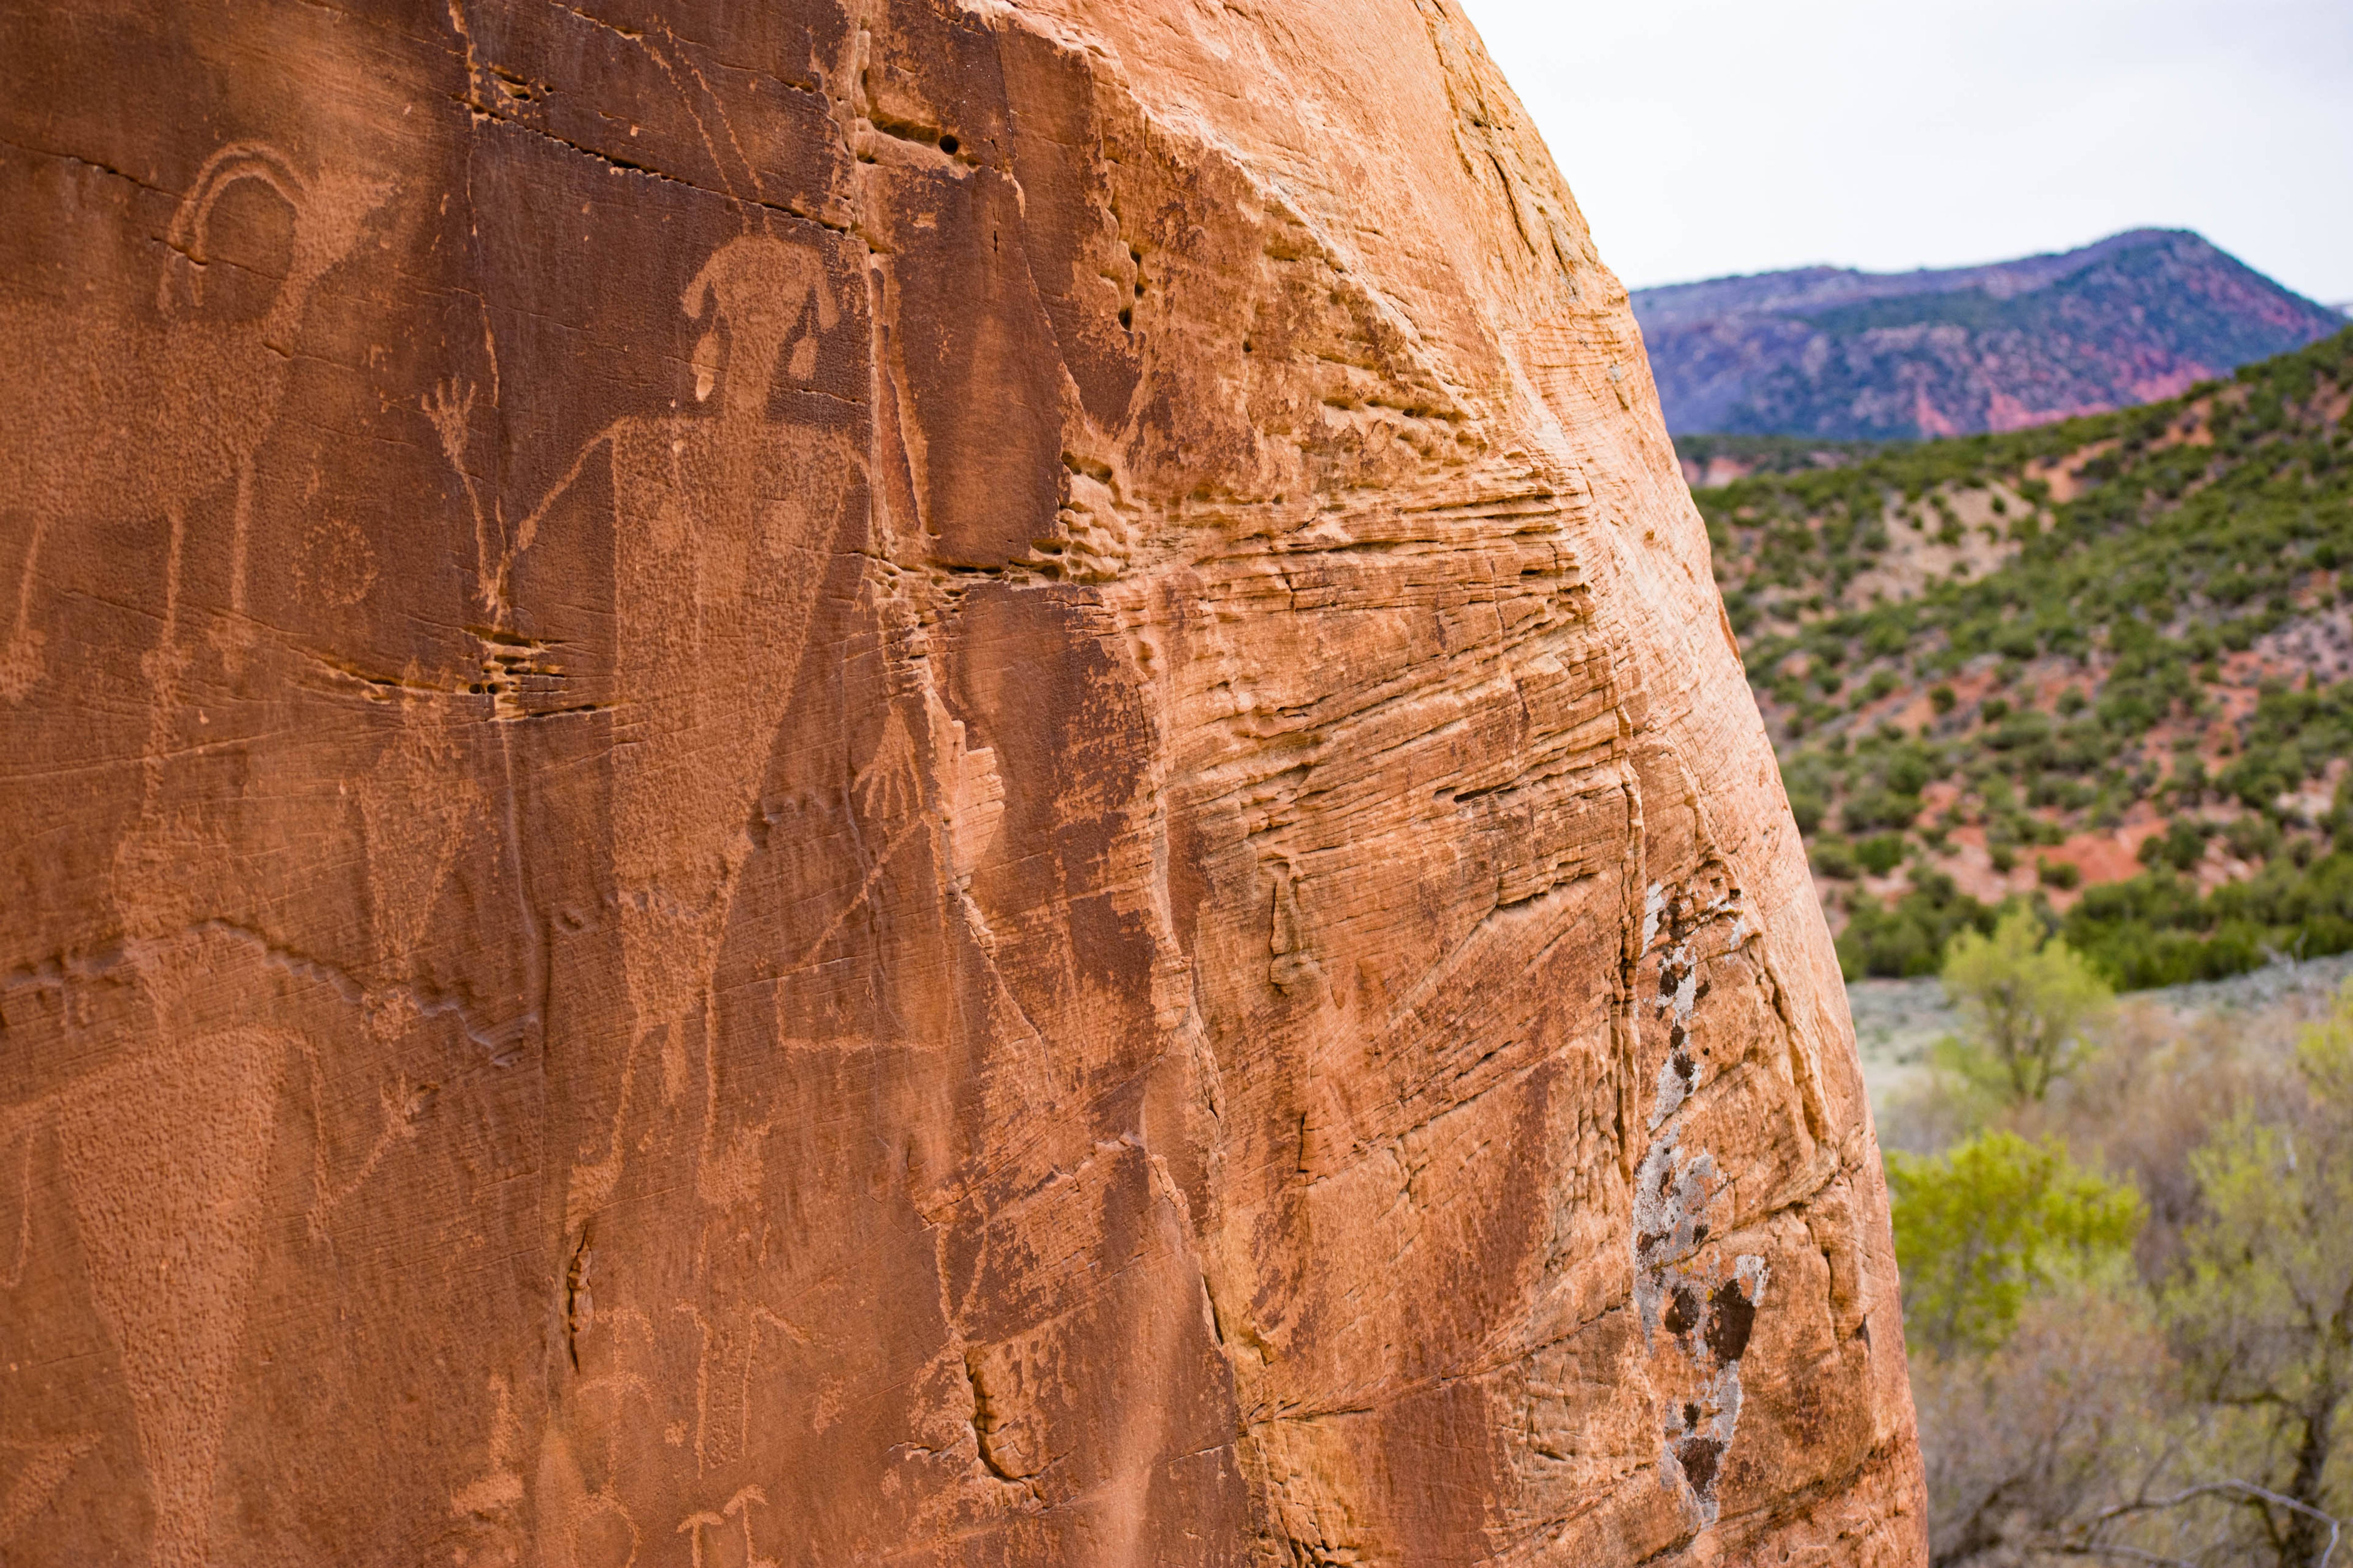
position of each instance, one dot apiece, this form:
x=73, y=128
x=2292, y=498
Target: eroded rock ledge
x=845, y=782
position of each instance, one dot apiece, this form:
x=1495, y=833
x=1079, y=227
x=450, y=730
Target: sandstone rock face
x=868, y=780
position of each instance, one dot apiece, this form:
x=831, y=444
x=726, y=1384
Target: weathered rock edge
x=883, y=780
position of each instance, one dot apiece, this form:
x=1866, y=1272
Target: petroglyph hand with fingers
x=450, y=406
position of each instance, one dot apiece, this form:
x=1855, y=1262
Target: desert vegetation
x=2127, y=1269
x=2067, y=715
x=2102, y=668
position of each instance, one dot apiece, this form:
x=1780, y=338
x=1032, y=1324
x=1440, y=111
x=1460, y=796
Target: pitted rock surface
x=882, y=781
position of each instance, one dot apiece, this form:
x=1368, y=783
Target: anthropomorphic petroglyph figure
x=164, y=1152
x=162, y=1159
x=724, y=514
x=416, y=805
x=165, y=1203
x=123, y=419
x=740, y=1505
x=724, y=519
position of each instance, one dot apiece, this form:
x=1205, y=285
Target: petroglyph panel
x=904, y=781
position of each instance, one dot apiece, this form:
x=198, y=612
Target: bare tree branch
x=2245, y=1492
x=2132, y=1553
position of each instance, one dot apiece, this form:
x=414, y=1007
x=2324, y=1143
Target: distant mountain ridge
x=1838, y=354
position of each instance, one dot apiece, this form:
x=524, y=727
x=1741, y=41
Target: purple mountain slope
x=1835, y=353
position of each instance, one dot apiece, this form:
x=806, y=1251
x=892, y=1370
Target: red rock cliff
x=867, y=780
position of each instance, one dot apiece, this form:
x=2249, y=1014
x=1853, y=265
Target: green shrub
x=1907, y=772
x=1882, y=853
x=2182, y=846
x=2253, y=837
x=2018, y=729
x=1879, y=808
x=1834, y=858
x=1983, y=1225
x=1908, y=937
x=2019, y=642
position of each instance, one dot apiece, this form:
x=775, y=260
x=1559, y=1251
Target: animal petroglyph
x=129, y=420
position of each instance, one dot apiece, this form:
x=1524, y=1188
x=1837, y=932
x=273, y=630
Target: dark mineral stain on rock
x=1730, y=1324
x=1700, y=1456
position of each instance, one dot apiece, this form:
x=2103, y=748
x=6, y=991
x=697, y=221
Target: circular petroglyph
x=337, y=566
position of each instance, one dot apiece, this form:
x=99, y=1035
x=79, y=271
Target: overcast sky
x=1705, y=137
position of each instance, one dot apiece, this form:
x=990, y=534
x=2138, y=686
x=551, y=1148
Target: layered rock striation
x=856, y=782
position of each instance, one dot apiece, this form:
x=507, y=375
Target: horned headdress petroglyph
x=131, y=420
x=163, y=1153
x=723, y=521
